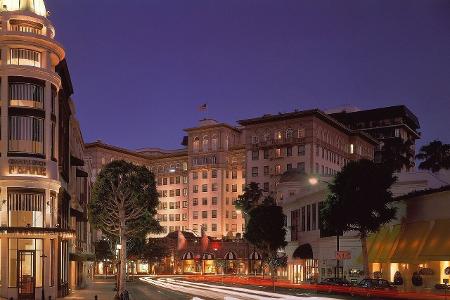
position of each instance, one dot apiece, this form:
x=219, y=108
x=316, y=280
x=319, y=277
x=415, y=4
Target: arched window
x=214, y=142
x=289, y=133
x=196, y=145
x=278, y=135
x=205, y=145
x=266, y=136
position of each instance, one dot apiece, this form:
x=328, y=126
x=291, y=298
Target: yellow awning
x=437, y=245
x=409, y=241
x=384, y=255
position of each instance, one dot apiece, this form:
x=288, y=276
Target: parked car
x=379, y=284
x=335, y=281
x=441, y=286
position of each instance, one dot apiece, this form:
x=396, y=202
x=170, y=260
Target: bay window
x=25, y=57
x=25, y=209
x=26, y=134
x=26, y=95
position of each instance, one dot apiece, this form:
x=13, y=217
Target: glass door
x=27, y=274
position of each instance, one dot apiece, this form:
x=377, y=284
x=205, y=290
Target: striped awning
x=230, y=256
x=255, y=256
x=207, y=256
x=187, y=256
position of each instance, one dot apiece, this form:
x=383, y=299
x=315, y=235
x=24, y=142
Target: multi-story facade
x=37, y=171
x=382, y=124
x=310, y=141
x=197, y=185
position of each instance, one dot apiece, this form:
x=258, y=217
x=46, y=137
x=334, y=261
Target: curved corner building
x=34, y=205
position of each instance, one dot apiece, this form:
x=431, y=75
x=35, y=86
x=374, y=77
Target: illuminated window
x=205, y=144
x=278, y=135
x=352, y=148
x=25, y=209
x=278, y=152
x=26, y=134
x=214, y=142
x=277, y=169
x=196, y=146
x=26, y=95
x=25, y=57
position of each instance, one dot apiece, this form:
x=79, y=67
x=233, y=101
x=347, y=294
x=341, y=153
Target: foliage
x=250, y=198
x=360, y=200
x=435, y=156
x=398, y=154
x=103, y=250
x=155, y=250
x=123, y=206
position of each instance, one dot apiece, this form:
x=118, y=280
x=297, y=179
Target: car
x=379, y=284
x=335, y=281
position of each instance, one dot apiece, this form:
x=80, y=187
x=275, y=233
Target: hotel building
x=43, y=184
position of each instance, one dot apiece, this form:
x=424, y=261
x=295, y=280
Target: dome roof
x=35, y=6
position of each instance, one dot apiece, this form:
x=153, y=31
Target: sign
x=27, y=167
x=343, y=255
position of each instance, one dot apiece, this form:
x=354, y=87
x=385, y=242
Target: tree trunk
x=365, y=254
x=123, y=264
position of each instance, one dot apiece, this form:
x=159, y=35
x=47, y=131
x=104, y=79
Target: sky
x=141, y=68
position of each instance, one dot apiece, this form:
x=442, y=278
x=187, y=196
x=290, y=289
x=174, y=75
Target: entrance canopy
x=437, y=245
x=230, y=256
x=303, y=252
x=187, y=256
x=255, y=256
x=207, y=256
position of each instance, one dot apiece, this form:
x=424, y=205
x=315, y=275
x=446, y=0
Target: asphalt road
x=175, y=288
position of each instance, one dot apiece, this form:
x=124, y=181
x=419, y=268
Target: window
x=289, y=133
x=317, y=150
x=255, y=139
x=165, y=181
x=234, y=214
x=196, y=146
x=303, y=219
x=277, y=169
x=171, y=205
x=266, y=153
x=185, y=179
x=214, y=187
x=352, y=149
x=255, y=154
x=204, y=188
x=185, y=204
x=214, y=143
x=195, y=202
x=278, y=135
x=301, y=167
x=266, y=170
x=25, y=209
x=204, y=174
x=194, y=175
x=204, y=201
x=314, y=216
x=227, y=200
x=234, y=188
x=288, y=167
x=227, y=214
x=31, y=28
x=227, y=187
x=288, y=151
x=26, y=95
x=25, y=57
x=185, y=192
x=214, y=214
x=214, y=174
x=26, y=134
x=278, y=152
x=171, y=218
x=233, y=227
x=213, y=227
x=27, y=262
x=204, y=214
x=234, y=174
x=214, y=200
x=195, y=215
x=53, y=141
x=184, y=217
x=195, y=189
x=177, y=217
x=172, y=180
x=266, y=187
x=255, y=172
x=308, y=217
x=194, y=227
x=301, y=133
x=205, y=144
x=301, y=150
x=171, y=193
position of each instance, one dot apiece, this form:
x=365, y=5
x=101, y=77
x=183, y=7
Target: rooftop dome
x=34, y=6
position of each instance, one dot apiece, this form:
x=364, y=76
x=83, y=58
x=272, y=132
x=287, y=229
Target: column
x=4, y=116
x=48, y=120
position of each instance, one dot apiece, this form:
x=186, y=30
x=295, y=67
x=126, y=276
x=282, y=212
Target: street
x=174, y=288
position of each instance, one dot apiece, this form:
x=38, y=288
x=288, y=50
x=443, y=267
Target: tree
x=398, y=154
x=123, y=206
x=266, y=231
x=359, y=200
x=250, y=198
x=103, y=250
x=155, y=250
x=435, y=156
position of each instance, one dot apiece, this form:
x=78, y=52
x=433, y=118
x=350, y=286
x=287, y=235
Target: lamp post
x=314, y=181
x=118, y=248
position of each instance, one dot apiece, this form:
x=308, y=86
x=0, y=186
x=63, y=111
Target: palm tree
x=435, y=156
x=359, y=200
x=398, y=154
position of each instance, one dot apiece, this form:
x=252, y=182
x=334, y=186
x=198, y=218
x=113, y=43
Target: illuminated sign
x=27, y=167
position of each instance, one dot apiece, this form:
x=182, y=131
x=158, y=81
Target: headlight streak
x=220, y=292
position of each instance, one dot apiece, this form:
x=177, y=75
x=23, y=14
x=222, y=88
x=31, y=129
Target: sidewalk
x=102, y=288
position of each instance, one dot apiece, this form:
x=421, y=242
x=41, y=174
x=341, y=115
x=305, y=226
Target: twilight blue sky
x=140, y=68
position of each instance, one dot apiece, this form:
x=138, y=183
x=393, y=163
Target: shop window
x=25, y=209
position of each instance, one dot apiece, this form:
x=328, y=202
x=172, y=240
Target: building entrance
x=26, y=265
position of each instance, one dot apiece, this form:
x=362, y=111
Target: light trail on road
x=213, y=291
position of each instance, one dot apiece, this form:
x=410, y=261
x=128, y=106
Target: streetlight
x=314, y=181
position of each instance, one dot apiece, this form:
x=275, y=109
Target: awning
x=303, y=252
x=81, y=173
x=255, y=256
x=76, y=162
x=437, y=245
x=207, y=256
x=187, y=256
x=230, y=256
x=388, y=243
x=409, y=241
